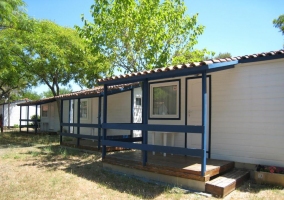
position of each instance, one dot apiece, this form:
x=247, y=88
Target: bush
x=34, y=117
x=16, y=125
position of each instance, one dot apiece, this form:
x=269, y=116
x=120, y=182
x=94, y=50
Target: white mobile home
x=47, y=110
x=223, y=110
x=15, y=113
x=85, y=122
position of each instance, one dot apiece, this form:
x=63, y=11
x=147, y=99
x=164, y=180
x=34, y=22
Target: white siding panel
x=248, y=113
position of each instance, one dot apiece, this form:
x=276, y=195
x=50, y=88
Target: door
x=51, y=116
x=194, y=111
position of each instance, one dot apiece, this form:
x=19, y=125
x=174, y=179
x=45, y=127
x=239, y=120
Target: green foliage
x=223, y=55
x=279, y=23
x=48, y=93
x=34, y=117
x=11, y=12
x=29, y=94
x=133, y=35
x=16, y=126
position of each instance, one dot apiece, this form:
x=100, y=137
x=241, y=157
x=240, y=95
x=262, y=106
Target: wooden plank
x=225, y=184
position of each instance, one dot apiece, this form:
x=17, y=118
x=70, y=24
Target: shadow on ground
x=89, y=166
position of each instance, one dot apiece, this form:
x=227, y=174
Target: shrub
x=34, y=117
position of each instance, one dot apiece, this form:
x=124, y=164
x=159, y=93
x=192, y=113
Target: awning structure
x=198, y=68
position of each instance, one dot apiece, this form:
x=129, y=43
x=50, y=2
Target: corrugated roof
x=194, y=64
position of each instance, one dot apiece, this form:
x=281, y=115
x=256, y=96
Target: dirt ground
x=35, y=167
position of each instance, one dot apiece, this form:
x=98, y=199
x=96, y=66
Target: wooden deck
x=173, y=165
x=91, y=145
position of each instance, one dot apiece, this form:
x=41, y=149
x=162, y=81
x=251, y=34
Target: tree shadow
x=89, y=166
x=252, y=187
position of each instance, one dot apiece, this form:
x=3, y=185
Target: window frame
x=43, y=107
x=87, y=109
x=153, y=85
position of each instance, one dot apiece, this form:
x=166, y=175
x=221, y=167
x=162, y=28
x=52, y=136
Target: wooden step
x=223, y=185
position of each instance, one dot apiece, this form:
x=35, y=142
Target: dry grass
x=36, y=167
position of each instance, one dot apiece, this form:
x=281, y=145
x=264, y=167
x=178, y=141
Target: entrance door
x=194, y=111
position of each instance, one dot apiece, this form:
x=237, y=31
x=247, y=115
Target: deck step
x=223, y=185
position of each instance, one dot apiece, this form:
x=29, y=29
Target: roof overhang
x=172, y=73
x=37, y=102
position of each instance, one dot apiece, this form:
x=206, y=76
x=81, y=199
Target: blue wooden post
x=78, y=121
x=61, y=120
x=145, y=94
x=104, y=120
x=99, y=122
x=204, y=122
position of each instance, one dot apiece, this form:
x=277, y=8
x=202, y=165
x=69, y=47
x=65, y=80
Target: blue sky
x=240, y=27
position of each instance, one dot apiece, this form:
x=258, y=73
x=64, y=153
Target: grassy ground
x=36, y=167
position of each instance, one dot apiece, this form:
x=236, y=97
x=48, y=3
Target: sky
x=239, y=27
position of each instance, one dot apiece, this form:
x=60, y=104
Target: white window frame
x=163, y=84
x=87, y=109
x=44, y=109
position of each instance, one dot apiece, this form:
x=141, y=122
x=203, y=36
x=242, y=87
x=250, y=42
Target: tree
x=29, y=94
x=11, y=11
x=279, y=23
x=223, y=55
x=133, y=35
x=48, y=93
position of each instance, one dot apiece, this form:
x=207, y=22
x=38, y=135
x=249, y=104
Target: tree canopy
x=11, y=12
x=279, y=23
x=223, y=55
x=133, y=35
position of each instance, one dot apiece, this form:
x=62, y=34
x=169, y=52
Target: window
x=44, y=111
x=138, y=101
x=164, y=100
x=83, y=109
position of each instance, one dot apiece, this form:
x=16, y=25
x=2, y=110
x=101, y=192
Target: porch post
x=78, y=121
x=99, y=122
x=204, y=123
x=104, y=120
x=61, y=120
x=145, y=117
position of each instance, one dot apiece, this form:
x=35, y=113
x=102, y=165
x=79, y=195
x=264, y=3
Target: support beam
x=204, y=123
x=99, y=121
x=145, y=94
x=78, y=121
x=104, y=120
x=69, y=115
x=132, y=110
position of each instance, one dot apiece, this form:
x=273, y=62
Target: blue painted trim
x=81, y=125
x=79, y=136
x=222, y=64
x=154, y=127
x=220, y=68
x=28, y=113
x=204, y=122
x=156, y=148
x=179, y=99
x=104, y=120
x=99, y=121
x=145, y=101
x=157, y=75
